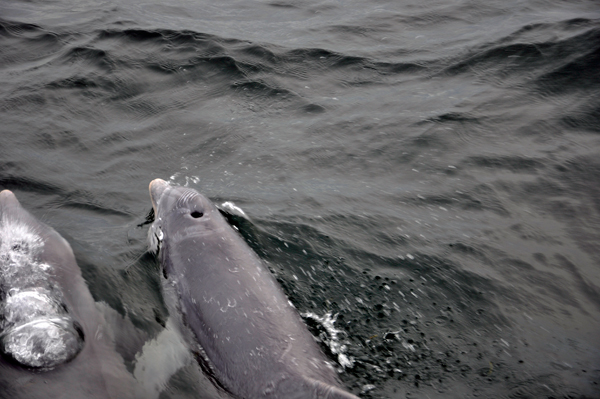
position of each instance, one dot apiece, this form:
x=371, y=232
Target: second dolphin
x=251, y=339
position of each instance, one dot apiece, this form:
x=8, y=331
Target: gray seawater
x=428, y=171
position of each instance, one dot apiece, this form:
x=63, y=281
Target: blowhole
x=196, y=214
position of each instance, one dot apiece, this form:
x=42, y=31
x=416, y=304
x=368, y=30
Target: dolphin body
x=252, y=341
x=54, y=341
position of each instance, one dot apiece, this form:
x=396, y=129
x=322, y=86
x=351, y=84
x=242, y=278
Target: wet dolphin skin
x=250, y=337
x=53, y=338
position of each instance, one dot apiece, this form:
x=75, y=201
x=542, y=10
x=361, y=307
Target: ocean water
x=426, y=173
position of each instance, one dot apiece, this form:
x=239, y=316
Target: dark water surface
x=428, y=171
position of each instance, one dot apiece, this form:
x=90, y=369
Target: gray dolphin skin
x=251, y=339
x=53, y=339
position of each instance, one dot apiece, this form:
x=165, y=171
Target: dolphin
x=54, y=339
x=246, y=334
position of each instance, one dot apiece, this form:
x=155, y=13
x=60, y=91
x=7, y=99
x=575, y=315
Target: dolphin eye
x=196, y=214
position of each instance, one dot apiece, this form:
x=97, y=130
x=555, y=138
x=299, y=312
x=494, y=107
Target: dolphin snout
x=8, y=198
x=157, y=188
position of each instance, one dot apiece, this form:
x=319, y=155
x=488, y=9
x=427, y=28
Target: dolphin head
x=179, y=212
x=37, y=329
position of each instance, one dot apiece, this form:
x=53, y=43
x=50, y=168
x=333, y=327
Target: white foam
x=334, y=342
x=233, y=208
x=155, y=237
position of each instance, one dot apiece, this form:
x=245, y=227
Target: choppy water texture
x=429, y=171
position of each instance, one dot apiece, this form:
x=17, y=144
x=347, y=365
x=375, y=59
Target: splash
x=332, y=338
x=230, y=207
x=181, y=179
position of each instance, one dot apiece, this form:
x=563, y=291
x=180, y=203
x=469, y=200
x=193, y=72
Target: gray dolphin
x=54, y=342
x=251, y=339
